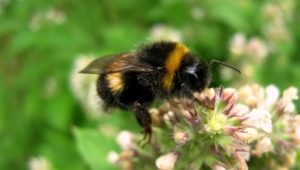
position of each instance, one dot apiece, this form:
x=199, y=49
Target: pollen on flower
x=215, y=124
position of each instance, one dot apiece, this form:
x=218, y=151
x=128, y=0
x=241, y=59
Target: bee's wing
x=98, y=65
x=117, y=63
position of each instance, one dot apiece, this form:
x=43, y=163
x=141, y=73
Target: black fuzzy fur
x=144, y=87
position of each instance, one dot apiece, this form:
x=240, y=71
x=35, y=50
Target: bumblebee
x=134, y=80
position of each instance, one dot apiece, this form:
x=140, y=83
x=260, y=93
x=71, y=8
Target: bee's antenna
x=224, y=64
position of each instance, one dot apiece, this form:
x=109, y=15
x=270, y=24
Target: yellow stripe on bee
x=115, y=82
x=173, y=63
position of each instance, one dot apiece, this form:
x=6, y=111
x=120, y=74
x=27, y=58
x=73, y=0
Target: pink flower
x=260, y=119
x=252, y=95
x=286, y=103
x=256, y=48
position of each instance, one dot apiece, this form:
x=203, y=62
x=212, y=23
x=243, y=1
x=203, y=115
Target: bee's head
x=195, y=75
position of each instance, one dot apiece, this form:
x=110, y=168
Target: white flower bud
x=181, y=137
x=272, y=94
x=126, y=140
x=239, y=110
x=289, y=108
x=218, y=167
x=290, y=94
x=167, y=161
x=237, y=44
x=247, y=135
x=259, y=118
x=113, y=157
x=39, y=164
x=230, y=95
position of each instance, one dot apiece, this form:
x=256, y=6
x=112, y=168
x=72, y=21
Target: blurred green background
x=41, y=120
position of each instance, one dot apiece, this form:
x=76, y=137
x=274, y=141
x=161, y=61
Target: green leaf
x=230, y=13
x=94, y=148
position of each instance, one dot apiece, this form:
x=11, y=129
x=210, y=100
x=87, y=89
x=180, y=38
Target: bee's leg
x=144, y=119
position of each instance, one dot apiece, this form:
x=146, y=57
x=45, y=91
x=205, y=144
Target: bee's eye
x=191, y=78
x=196, y=77
x=191, y=70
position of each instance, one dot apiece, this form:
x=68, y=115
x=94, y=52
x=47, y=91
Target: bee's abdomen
x=123, y=90
x=135, y=91
x=104, y=91
x=115, y=82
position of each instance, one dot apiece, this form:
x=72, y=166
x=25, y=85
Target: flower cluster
x=84, y=87
x=254, y=47
x=276, y=17
x=248, y=54
x=221, y=129
x=162, y=32
x=52, y=16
